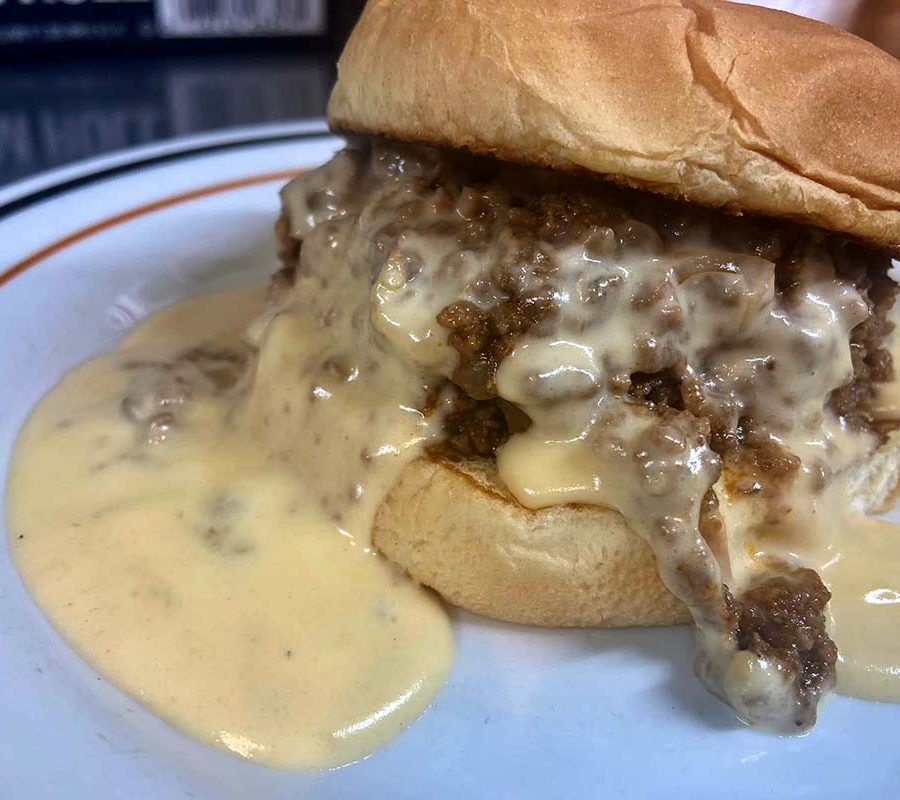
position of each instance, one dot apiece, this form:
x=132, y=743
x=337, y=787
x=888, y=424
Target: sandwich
x=633, y=256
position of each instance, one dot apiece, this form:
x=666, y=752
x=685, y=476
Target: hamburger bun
x=720, y=104
x=454, y=527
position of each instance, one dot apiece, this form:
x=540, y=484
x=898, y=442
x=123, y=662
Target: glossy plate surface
x=85, y=252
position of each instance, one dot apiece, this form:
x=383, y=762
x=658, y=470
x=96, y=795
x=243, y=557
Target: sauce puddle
x=200, y=572
x=864, y=579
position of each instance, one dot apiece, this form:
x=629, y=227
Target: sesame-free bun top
x=721, y=104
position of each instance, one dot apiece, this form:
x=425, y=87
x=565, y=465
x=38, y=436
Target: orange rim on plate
x=139, y=211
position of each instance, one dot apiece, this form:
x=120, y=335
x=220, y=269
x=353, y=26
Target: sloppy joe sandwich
x=638, y=254
x=589, y=324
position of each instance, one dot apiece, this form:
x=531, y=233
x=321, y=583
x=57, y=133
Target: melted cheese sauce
x=862, y=570
x=204, y=573
x=864, y=579
x=759, y=360
x=858, y=557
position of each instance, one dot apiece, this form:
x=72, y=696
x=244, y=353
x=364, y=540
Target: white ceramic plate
x=87, y=251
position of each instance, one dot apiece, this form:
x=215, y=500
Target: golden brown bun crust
x=724, y=105
x=452, y=527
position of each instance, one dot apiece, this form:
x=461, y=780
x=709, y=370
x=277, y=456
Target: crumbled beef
x=484, y=338
x=484, y=335
x=657, y=389
x=782, y=619
x=755, y=462
x=872, y=363
x=478, y=427
x=474, y=428
x=761, y=467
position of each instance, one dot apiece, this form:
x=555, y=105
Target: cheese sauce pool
x=202, y=573
x=864, y=579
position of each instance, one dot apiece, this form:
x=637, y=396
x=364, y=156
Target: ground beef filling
x=872, y=363
x=473, y=428
x=782, y=619
x=482, y=338
x=728, y=325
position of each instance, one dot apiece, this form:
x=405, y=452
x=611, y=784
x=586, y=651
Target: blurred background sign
x=35, y=28
x=85, y=77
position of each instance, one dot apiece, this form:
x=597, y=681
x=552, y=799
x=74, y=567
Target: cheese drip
x=207, y=544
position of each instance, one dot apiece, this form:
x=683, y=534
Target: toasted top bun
x=452, y=526
x=720, y=104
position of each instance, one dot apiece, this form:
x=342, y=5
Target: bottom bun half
x=454, y=527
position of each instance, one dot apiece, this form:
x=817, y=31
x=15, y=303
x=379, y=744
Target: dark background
x=51, y=116
x=84, y=77
x=61, y=101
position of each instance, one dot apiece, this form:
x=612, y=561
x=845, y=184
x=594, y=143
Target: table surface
x=54, y=114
